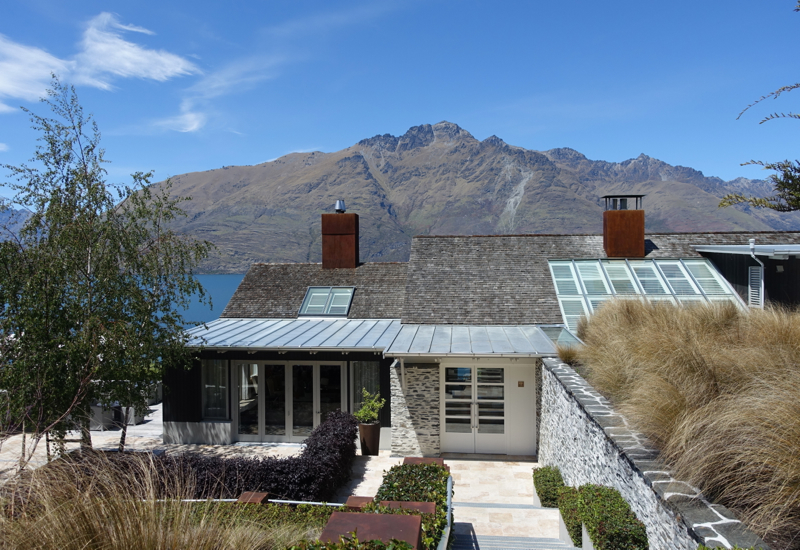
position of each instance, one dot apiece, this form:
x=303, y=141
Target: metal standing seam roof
x=386, y=335
x=759, y=249
x=295, y=334
x=471, y=340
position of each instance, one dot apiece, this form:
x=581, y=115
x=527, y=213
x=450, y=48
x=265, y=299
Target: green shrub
x=371, y=405
x=546, y=481
x=419, y=483
x=351, y=543
x=568, y=498
x=304, y=515
x=609, y=520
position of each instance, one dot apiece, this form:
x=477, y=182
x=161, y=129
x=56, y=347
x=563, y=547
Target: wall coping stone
x=710, y=524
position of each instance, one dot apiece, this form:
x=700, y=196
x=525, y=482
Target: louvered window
x=755, y=287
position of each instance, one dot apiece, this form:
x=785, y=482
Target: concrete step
x=482, y=542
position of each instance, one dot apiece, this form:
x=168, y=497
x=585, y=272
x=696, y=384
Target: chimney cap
x=621, y=202
x=340, y=208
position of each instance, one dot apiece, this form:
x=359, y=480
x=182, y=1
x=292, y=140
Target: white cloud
x=3, y=147
x=188, y=121
x=106, y=54
x=237, y=77
x=25, y=72
x=328, y=21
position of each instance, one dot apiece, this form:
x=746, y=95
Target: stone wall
x=589, y=442
x=415, y=412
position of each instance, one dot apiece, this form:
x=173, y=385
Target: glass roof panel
x=327, y=301
x=583, y=286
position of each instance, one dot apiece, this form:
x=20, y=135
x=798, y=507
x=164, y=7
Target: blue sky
x=186, y=86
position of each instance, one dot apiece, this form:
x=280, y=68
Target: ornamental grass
x=717, y=390
x=92, y=504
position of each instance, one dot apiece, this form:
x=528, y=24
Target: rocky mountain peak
x=447, y=131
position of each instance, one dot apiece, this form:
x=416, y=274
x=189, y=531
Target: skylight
x=327, y=301
x=583, y=285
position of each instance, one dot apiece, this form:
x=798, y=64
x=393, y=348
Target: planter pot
x=370, y=438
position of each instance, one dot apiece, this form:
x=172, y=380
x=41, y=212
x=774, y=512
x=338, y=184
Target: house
x=452, y=339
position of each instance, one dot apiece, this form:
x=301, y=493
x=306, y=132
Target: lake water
x=220, y=288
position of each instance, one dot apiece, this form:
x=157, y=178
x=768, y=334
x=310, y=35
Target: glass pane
x=490, y=376
x=248, y=398
x=340, y=301
x=458, y=375
x=620, y=277
x=491, y=409
x=677, y=278
x=330, y=390
x=491, y=426
x=593, y=280
x=460, y=391
x=316, y=299
x=274, y=400
x=458, y=409
x=302, y=400
x=458, y=425
x=215, y=389
x=490, y=392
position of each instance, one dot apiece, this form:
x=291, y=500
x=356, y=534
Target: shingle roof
x=503, y=280
x=276, y=291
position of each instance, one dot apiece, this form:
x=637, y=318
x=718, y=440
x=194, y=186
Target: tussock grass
x=718, y=391
x=91, y=504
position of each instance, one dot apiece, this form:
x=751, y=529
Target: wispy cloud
x=237, y=77
x=25, y=72
x=105, y=54
x=330, y=21
x=3, y=147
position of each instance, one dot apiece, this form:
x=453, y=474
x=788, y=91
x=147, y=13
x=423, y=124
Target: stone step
x=482, y=542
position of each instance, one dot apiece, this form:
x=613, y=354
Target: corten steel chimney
x=339, y=239
x=623, y=226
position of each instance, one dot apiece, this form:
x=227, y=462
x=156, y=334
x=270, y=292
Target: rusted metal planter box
x=382, y=527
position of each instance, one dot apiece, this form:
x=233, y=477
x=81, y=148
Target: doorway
x=284, y=402
x=488, y=408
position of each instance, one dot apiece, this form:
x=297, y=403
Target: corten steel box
x=623, y=233
x=339, y=241
x=383, y=527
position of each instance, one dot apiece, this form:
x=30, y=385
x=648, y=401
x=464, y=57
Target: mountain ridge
x=439, y=179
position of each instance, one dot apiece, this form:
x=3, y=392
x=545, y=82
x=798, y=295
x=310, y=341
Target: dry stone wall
x=415, y=411
x=589, y=442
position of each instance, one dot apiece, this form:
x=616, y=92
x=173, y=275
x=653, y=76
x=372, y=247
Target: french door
x=281, y=401
x=473, y=409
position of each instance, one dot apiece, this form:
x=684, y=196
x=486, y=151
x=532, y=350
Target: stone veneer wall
x=415, y=412
x=589, y=442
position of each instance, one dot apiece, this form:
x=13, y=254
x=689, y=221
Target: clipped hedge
x=546, y=482
x=568, y=498
x=303, y=515
x=351, y=543
x=609, y=520
x=315, y=475
x=418, y=483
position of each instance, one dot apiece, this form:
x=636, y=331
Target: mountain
x=438, y=179
x=11, y=221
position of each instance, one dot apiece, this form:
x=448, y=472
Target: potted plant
x=369, y=427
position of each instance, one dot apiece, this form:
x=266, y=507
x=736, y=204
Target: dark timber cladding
x=623, y=233
x=339, y=241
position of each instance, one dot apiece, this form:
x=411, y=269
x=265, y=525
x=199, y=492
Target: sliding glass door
x=285, y=401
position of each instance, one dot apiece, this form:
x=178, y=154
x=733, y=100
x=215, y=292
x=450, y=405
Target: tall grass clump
x=90, y=503
x=717, y=389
